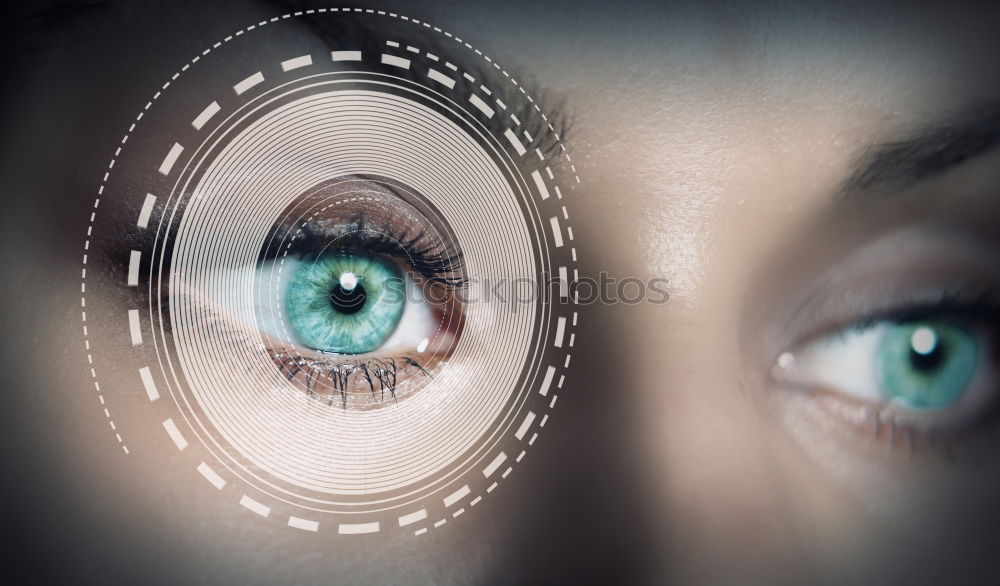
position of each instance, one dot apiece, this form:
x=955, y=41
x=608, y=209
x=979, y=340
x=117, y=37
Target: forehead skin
x=706, y=136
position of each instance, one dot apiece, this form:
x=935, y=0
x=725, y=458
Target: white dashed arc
x=224, y=174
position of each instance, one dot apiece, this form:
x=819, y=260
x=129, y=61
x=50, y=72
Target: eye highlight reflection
x=357, y=293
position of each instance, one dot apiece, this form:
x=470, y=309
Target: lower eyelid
x=362, y=383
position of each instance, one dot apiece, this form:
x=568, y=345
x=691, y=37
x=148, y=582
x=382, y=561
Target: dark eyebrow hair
x=929, y=152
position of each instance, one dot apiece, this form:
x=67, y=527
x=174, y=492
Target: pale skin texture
x=713, y=142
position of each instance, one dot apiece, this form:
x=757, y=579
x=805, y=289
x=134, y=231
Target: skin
x=713, y=143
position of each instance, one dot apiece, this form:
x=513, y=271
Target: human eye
x=358, y=303
x=930, y=370
x=889, y=361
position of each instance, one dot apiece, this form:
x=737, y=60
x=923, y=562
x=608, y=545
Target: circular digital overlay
x=211, y=178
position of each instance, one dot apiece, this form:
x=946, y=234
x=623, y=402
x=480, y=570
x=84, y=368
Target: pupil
x=927, y=361
x=347, y=301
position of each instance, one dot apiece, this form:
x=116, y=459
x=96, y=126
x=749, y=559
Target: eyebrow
x=927, y=153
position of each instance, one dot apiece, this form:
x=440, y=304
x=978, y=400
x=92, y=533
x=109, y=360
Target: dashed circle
x=528, y=414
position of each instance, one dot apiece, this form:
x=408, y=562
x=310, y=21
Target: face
x=792, y=376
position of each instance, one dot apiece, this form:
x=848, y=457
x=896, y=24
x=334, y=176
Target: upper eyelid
x=818, y=281
x=443, y=265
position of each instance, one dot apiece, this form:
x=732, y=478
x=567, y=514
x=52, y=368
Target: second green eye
x=926, y=364
x=344, y=302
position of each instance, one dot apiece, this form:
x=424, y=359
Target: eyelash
x=964, y=303
x=414, y=246
x=381, y=372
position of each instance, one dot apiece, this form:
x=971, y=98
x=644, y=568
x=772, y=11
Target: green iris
x=926, y=364
x=345, y=303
